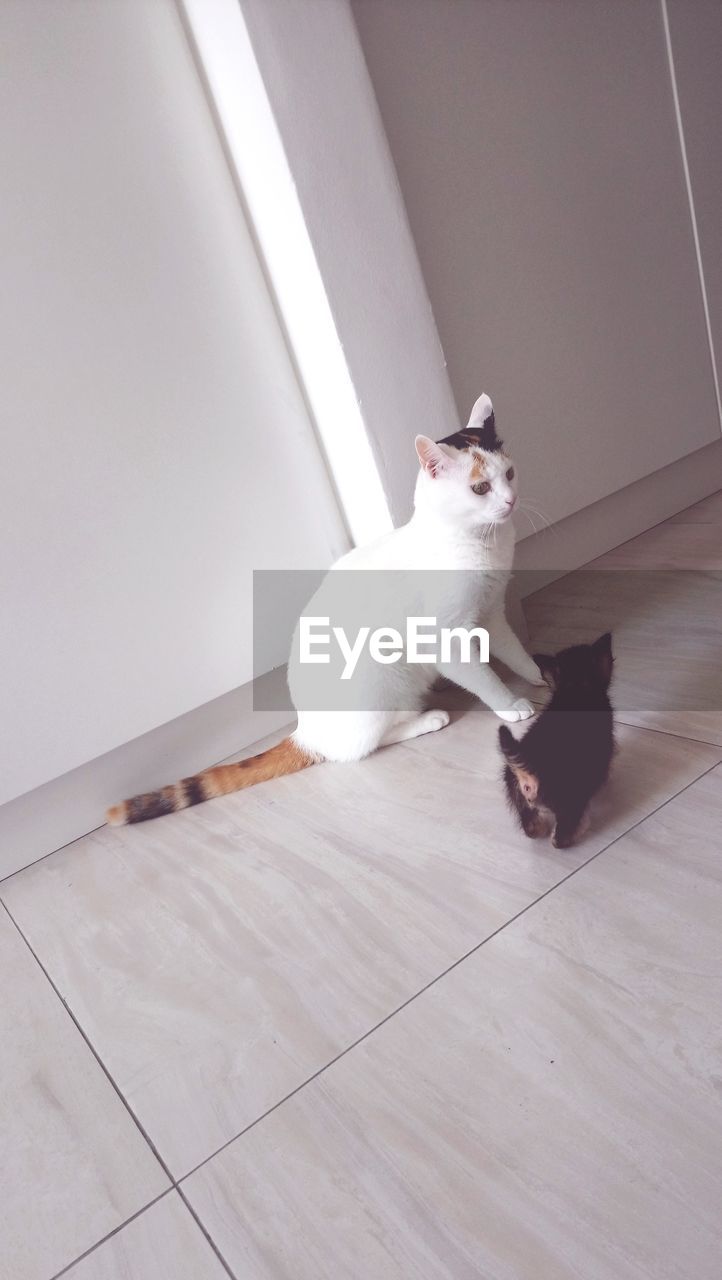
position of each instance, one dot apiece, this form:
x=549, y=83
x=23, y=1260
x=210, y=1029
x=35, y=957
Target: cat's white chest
x=487, y=550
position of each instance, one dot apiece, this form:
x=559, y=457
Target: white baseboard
x=70, y=806
x=615, y=519
x=35, y=824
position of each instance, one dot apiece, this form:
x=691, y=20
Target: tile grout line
x=668, y=733
x=139, y=1212
x=175, y=1184
x=422, y=990
x=36, y=861
x=92, y=1048
x=648, y=728
x=415, y=744
x=205, y=1232
x=629, y=724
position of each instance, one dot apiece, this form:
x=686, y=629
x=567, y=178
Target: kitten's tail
x=286, y=757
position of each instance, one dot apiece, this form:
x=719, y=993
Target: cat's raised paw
x=520, y=709
x=532, y=675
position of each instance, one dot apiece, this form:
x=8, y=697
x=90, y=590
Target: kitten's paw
x=562, y=841
x=521, y=709
x=565, y=839
x=537, y=823
x=435, y=719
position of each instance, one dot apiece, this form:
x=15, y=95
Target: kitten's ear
x=549, y=668
x=602, y=650
x=483, y=422
x=509, y=745
x=432, y=456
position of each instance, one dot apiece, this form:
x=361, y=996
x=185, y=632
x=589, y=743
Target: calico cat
x=465, y=494
x=552, y=773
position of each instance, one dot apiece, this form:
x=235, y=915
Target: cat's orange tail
x=285, y=757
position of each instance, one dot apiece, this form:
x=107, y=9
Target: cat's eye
x=510, y=473
x=482, y=487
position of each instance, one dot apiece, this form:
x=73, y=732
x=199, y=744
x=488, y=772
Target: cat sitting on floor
x=552, y=773
x=461, y=531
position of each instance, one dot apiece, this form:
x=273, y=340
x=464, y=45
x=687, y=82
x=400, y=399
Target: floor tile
x=549, y=1110
x=693, y=546
x=74, y=1165
x=667, y=626
x=219, y=957
x=164, y=1243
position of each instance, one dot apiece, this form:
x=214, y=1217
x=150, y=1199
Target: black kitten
x=553, y=772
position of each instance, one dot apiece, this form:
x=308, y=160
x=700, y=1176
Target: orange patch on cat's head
x=478, y=469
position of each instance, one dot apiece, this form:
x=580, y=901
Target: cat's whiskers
x=533, y=505
x=523, y=512
x=529, y=510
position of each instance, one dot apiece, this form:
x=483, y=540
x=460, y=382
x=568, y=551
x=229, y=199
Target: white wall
x=537, y=150
x=146, y=380
x=155, y=443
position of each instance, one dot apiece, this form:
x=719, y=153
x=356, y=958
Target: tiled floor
x=263, y=1037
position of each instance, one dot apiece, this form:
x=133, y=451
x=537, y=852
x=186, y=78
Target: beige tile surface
x=667, y=624
x=73, y=1165
x=164, y=1243
x=221, y=956
x=693, y=546
x=550, y=1110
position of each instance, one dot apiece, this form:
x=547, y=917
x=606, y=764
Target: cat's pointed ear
x=549, y=668
x=483, y=423
x=602, y=650
x=433, y=457
x=483, y=409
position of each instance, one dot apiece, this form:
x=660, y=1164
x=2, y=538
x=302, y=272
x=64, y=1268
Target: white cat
x=465, y=494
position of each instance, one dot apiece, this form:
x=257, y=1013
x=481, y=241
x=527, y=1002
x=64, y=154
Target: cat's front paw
x=532, y=675
x=434, y=720
x=520, y=709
